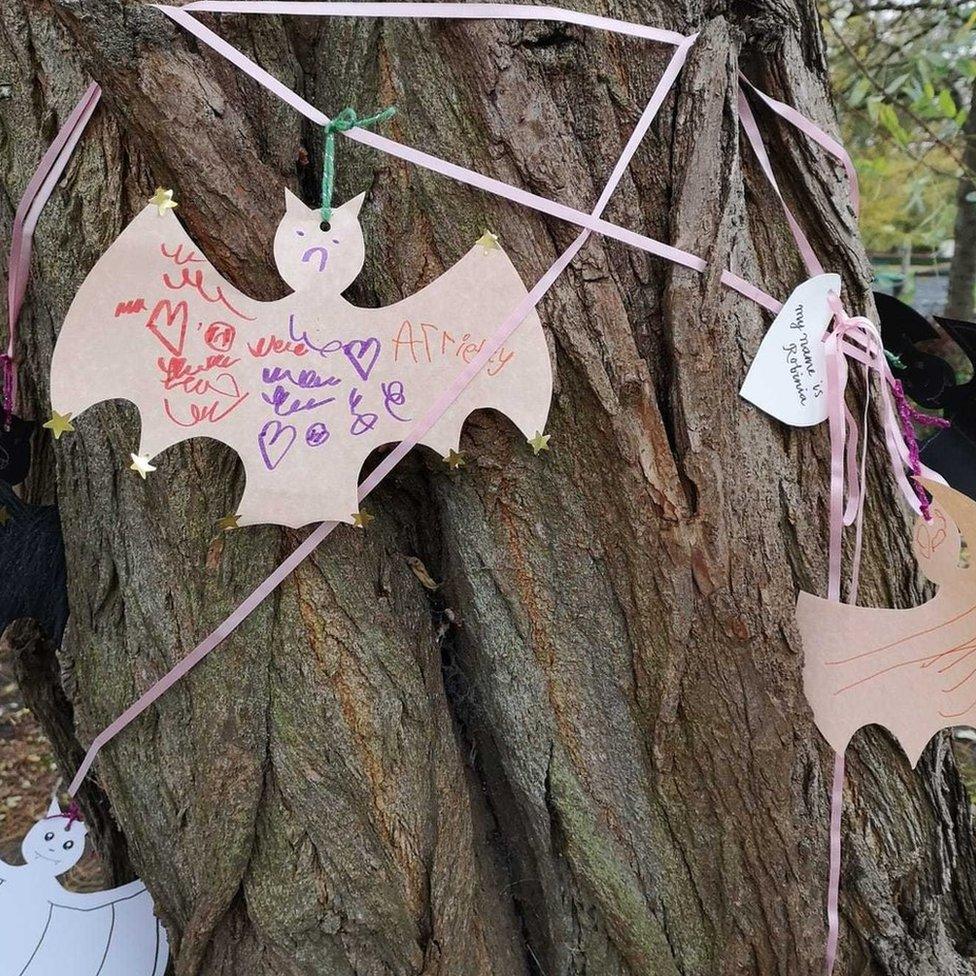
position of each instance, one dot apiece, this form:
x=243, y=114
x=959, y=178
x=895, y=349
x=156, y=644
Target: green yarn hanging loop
x=343, y=122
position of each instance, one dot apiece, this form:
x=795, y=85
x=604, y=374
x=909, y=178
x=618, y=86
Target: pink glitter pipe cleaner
x=908, y=417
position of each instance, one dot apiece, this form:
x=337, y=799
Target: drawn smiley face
x=53, y=848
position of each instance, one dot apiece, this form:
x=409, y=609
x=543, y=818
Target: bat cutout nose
x=323, y=254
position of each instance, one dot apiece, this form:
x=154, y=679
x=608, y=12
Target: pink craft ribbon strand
x=813, y=132
x=319, y=534
x=36, y=195
x=445, y=168
x=857, y=338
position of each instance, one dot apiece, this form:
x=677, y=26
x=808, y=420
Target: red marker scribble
x=220, y=336
x=271, y=344
x=199, y=415
x=177, y=255
x=179, y=374
x=195, y=281
x=168, y=324
x=130, y=307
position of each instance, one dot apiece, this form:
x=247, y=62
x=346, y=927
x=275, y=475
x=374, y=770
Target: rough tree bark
x=600, y=761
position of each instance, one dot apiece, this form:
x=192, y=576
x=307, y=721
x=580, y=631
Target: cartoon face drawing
x=44, y=928
x=311, y=255
x=55, y=844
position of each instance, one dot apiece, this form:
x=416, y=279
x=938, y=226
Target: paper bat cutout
x=304, y=388
x=48, y=931
x=912, y=671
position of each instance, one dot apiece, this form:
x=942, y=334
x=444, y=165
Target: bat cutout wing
x=382, y=370
x=305, y=388
x=912, y=671
x=153, y=323
x=61, y=933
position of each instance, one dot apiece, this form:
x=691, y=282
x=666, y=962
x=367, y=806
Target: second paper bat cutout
x=912, y=671
x=46, y=930
x=303, y=388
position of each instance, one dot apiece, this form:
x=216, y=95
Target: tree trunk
x=588, y=752
x=961, y=303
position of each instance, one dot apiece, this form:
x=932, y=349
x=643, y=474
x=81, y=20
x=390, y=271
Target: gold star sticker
x=228, y=523
x=489, y=241
x=4, y=516
x=362, y=519
x=140, y=464
x=454, y=459
x=163, y=200
x=60, y=423
x=539, y=443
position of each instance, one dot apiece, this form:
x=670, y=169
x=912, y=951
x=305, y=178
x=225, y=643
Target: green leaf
x=859, y=92
x=947, y=104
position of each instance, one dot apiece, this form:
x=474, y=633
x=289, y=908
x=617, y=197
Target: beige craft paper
x=912, y=671
x=304, y=388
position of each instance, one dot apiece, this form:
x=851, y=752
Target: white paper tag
x=788, y=377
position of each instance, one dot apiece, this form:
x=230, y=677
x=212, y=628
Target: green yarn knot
x=343, y=122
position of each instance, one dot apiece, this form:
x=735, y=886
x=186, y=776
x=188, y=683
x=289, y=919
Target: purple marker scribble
x=316, y=435
x=363, y=421
x=285, y=404
x=271, y=433
x=323, y=256
x=307, y=379
x=394, y=396
x=362, y=353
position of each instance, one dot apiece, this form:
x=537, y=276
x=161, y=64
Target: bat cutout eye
x=335, y=240
x=49, y=836
x=299, y=232
x=68, y=844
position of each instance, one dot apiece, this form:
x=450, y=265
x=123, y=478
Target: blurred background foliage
x=904, y=76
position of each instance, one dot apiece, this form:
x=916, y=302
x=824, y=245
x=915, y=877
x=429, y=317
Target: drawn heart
x=788, y=377
x=362, y=353
x=229, y=387
x=271, y=433
x=174, y=315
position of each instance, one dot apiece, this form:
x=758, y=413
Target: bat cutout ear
x=295, y=206
x=353, y=206
x=54, y=810
x=960, y=513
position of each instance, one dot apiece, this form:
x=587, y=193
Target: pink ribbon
x=415, y=435
x=442, y=166
x=29, y=209
x=857, y=338
x=813, y=131
x=751, y=129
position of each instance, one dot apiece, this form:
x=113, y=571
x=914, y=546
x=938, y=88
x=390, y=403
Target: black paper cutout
x=931, y=382
x=33, y=577
x=15, y=449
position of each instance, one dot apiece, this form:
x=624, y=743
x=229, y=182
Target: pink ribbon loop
x=858, y=339
x=36, y=195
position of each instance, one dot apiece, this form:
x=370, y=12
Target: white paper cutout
x=48, y=931
x=304, y=388
x=788, y=378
